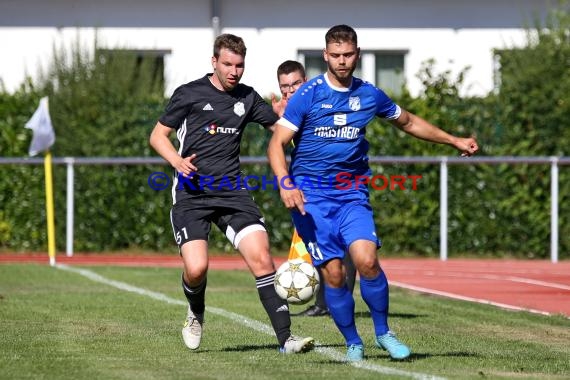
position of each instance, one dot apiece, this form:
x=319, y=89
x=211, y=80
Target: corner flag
x=42, y=140
x=40, y=124
x=298, y=249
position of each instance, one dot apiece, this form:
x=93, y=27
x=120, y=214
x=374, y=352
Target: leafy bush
x=106, y=105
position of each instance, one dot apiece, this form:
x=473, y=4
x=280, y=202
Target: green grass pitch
x=124, y=323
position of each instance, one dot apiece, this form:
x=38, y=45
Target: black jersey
x=210, y=123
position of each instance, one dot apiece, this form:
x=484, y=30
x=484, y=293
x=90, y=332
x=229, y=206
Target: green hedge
x=99, y=108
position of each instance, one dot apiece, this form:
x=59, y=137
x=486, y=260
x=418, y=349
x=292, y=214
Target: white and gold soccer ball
x=297, y=281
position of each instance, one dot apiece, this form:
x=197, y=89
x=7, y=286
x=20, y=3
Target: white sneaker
x=295, y=345
x=192, y=330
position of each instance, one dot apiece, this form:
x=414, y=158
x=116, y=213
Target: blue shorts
x=331, y=225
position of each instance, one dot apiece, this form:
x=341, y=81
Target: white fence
x=443, y=163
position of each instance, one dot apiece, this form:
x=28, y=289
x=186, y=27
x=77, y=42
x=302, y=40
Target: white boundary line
x=465, y=298
x=537, y=282
x=496, y=277
x=243, y=320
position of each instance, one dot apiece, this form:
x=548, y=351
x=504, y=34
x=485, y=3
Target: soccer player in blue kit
x=327, y=118
x=291, y=75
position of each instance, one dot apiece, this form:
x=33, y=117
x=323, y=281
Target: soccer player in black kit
x=209, y=115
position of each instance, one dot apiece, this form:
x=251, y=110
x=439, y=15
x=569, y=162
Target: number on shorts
x=178, y=237
x=315, y=251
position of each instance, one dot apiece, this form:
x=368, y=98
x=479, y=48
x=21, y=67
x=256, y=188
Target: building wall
x=455, y=33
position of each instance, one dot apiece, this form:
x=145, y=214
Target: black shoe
x=313, y=311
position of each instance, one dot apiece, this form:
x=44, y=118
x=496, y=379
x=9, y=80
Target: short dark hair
x=289, y=67
x=341, y=33
x=231, y=42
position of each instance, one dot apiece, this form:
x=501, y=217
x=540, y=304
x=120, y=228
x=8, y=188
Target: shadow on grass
x=332, y=345
x=366, y=314
x=380, y=355
x=421, y=356
x=251, y=347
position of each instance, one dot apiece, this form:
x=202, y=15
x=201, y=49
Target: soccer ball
x=296, y=281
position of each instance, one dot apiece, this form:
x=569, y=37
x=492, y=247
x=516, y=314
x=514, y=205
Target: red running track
x=537, y=286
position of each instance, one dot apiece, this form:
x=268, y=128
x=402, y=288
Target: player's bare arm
x=422, y=129
x=160, y=142
x=292, y=198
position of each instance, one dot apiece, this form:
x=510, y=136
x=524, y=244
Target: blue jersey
x=330, y=124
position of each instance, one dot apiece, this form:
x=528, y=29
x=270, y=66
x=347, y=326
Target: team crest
x=239, y=109
x=354, y=103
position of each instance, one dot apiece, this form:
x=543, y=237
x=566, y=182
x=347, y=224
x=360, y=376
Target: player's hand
x=293, y=199
x=185, y=165
x=278, y=105
x=467, y=146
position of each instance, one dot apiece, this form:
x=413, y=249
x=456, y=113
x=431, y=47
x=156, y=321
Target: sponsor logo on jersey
x=239, y=109
x=208, y=107
x=346, y=132
x=354, y=103
x=324, y=105
x=339, y=119
x=213, y=129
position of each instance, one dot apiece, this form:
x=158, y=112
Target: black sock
x=320, y=296
x=195, y=296
x=275, y=306
x=350, y=272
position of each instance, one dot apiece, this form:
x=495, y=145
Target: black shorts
x=232, y=212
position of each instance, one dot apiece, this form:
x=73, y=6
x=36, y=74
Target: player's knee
x=335, y=278
x=194, y=276
x=259, y=261
x=265, y=261
x=369, y=267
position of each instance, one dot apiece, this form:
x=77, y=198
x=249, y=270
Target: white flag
x=40, y=124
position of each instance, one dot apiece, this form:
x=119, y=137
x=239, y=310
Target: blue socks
x=376, y=295
x=341, y=307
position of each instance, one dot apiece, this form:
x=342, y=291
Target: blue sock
x=341, y=307
x=375, y=293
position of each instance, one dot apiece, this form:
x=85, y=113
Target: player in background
x=208, y=116
x=327, y=119
x=290, y=76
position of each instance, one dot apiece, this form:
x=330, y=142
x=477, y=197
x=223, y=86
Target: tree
x=534, y=90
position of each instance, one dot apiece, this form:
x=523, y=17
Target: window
x=389, y=71
x=383, y=68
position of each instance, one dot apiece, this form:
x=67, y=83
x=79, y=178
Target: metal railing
x=443, y=162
